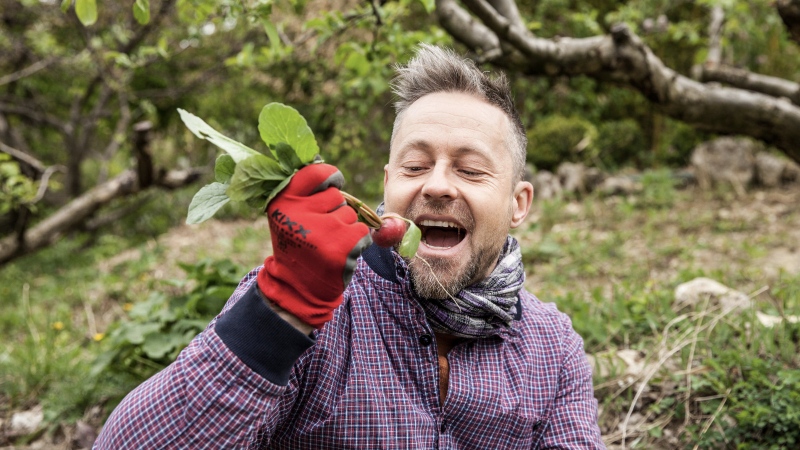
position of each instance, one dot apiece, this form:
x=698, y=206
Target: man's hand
x=316, y=240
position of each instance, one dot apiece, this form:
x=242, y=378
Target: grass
x=665, y=377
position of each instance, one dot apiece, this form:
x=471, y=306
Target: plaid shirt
x=369, y=380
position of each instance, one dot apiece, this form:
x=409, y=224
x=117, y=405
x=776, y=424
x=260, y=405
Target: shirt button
x=425, y=340
x=443, y=427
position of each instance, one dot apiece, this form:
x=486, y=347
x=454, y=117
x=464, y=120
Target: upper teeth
x=438, y=223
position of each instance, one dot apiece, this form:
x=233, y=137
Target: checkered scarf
x=486, y=308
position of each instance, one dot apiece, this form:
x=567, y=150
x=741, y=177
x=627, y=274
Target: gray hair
x=435, y=69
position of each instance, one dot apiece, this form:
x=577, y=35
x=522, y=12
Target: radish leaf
x=223, y=168
x=280, y=123
x=199, y=128
x=207, y=201
x=287, y=157
x=255, y=176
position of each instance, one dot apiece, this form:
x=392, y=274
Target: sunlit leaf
x=201, y=129
x=280, y=123
x=141, y=11
x=86, y=10
x=208, y=200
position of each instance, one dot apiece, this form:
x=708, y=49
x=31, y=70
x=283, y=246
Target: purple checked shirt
x=368, y=380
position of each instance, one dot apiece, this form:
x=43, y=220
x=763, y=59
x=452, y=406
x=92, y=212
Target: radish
x=390, y=233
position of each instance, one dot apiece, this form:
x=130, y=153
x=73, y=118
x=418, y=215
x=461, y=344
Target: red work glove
x=316, y=240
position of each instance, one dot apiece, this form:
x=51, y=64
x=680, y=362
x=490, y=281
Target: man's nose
x=439, y=184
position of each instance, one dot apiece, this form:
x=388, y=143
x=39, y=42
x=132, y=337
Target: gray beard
x=438, y=278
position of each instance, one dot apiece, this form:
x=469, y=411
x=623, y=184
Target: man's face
x=451, y=172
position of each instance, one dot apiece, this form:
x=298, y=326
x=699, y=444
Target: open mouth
x=441, y=234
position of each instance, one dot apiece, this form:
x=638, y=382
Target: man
x=446, y=350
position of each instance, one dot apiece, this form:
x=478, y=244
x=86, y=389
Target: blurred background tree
x=88, y=93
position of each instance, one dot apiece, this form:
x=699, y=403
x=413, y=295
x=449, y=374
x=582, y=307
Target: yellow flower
x=127, y=306
x=99, y=336
x=58, y=326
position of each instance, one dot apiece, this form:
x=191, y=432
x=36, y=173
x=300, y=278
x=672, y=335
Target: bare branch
x=79, y=210
x=509, y=10
x=23, y=157
x=462, y=26
x=45, y=181
x=118, y=136
x=743, y=79
x=624, y=59
x=36, y=116
x=30, y=70
x=714, y=57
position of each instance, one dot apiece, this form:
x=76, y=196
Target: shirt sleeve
x=573, y=418
x=225, y=389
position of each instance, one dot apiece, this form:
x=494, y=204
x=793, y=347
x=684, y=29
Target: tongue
x=442, y=237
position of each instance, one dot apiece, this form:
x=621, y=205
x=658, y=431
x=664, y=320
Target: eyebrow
x=420, y=144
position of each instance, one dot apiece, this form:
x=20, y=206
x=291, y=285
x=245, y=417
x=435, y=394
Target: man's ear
x=523, y=197
x=385, y=175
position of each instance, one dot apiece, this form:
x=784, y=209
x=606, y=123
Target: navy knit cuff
x=261, y=339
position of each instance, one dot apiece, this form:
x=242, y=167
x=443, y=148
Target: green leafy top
x=246, y=175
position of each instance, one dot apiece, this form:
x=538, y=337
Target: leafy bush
x=162, y=325
x=764, y=403
x=557, y=139
x=619, y=141
x=15, y=188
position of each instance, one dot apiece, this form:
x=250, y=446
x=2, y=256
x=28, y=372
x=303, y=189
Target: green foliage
x=15, y=188
x=557, y=139
x=243, y=174
x=658, y=189
x=763, y=400
x=162, y=325
x=619, y=142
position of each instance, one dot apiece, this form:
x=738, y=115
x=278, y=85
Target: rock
x=725, y=160
x=25, y=422
x=85, y=435
x=593, y=178
x=572, y=177
x=769, y=169
x=770, y=321
x=546, y=185
x=619, y=185
x=791, y=172
x=695, y=292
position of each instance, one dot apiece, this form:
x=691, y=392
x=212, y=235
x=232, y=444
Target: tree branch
x=509, y=10
x=743, y=79
x=465, y=28
x=24, y=158
x=714, y=57
x=36, y=116
x=623, y=58
x=30, y=70
x=79, y=210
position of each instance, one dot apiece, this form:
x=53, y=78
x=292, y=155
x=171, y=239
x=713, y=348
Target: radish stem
x=371, y=218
